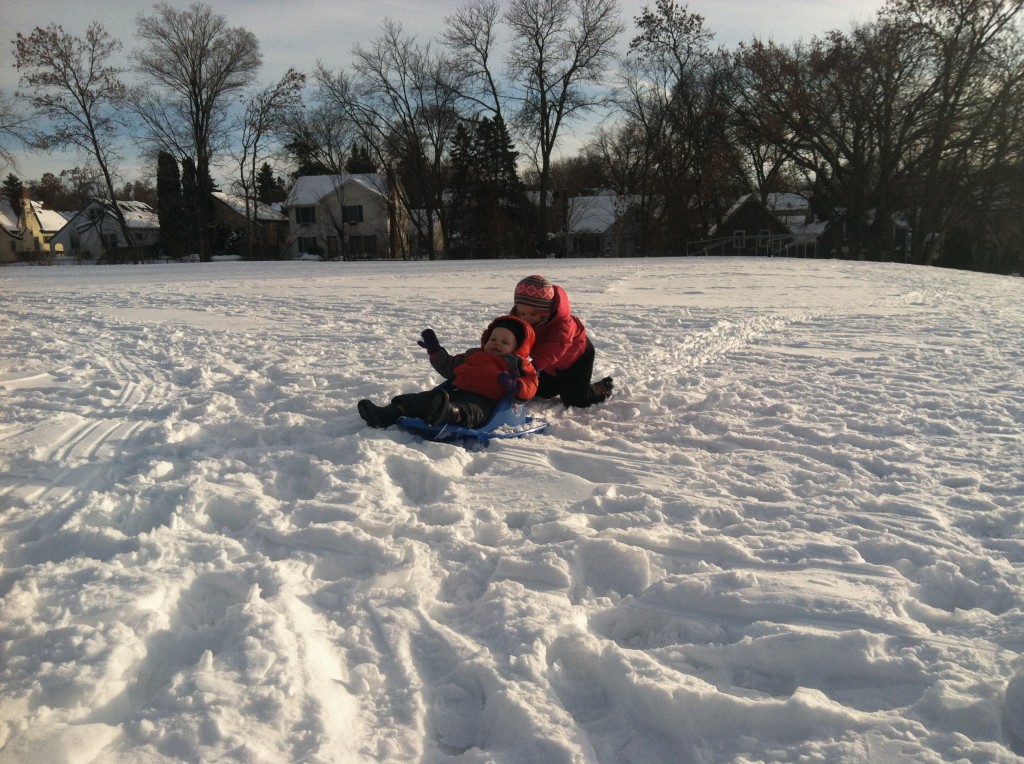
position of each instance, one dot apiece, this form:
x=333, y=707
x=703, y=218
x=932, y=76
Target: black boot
x=378, y=416
x=601, y=390
x=440, y=410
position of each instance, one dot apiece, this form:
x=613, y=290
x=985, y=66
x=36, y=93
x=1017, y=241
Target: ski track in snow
x=806, y=515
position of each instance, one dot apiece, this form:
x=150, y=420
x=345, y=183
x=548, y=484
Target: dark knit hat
x=535, y=292
x=514, y=325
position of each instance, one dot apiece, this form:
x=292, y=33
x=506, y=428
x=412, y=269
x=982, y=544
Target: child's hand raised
x=429, y=341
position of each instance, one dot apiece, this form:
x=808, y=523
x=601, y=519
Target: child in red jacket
x=480, y=378
x=562, y=353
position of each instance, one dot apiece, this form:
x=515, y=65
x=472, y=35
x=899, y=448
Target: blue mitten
x=429, y=341
x=509, y=383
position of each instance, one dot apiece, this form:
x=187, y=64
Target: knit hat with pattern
x=535, y=292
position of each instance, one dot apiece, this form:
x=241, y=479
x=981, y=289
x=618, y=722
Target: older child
x=563, y=354
x=481, y=377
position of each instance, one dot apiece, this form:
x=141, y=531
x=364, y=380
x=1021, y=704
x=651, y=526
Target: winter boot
x=440, y=410
x=601, y=390
x=378, y=416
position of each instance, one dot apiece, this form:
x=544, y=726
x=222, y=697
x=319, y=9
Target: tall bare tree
x=675, y=94
x=195, y=62
x=911, y=120
x=13, y=123
x=77, y=88
x=265, y=113
x=558, y=54
x=472, y=34
x=403, y=99
x=970, y=102
x=320, y=136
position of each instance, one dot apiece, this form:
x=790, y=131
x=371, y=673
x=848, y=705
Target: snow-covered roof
x=137, y=215
x=49, y=220
x=310, y=189
x=787, y=204
x=237, y=204
x=596, y=214
x=8, y=217
x=803, y=232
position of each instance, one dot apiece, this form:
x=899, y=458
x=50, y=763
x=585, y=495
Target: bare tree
x=13, y=122
x=913, y=118
x=471, y=33
x=676, y=96
x=195, y=61
x=264, y=113
x=558, y=55
x=319, y=137
x=970, y=103
x=74, y=85
x=403, y=100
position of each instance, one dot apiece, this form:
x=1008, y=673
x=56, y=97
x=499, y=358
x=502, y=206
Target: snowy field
x=795, y=533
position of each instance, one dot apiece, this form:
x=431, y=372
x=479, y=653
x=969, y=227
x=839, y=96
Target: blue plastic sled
x=509, y=420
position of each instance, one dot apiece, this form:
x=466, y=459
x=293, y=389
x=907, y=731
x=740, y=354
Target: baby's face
x=501, y=341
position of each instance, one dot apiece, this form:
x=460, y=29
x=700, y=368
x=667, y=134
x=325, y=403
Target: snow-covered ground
x=795, y=533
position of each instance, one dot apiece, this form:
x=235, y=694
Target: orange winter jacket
x=477, y=371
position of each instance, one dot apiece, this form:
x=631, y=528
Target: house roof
x=736, y=205
x=49, y=220
x=596, y=214
x=778, y=218
x=137, y=215
x=310, y=189
x=237, y=204
x=787, y=204
x=8, y=218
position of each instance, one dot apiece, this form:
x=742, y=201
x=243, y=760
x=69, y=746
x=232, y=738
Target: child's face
x=501, y=341
x=532, y=316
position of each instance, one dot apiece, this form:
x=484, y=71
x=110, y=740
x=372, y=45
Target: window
x=308, y=245
x=739, y=238
x=352, y=213
x=362, y=245
x=305, y=215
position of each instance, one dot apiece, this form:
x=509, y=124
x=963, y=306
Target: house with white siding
x=94, y=230
x=346, y=217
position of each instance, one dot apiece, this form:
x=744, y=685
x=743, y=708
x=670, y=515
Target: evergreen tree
x=269, y=189
x=190, y=202
x=359, y=161
x=12, y=190
x=174, y=223
x=305, y=155
x=461, y=188
x=489, y=205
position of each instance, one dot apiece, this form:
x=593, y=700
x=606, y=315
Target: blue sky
x=300, y=33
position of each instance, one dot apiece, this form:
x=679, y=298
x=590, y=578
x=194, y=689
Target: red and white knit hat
x=535, y=292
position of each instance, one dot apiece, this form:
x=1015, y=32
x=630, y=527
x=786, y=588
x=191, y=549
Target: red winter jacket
x=477, y=371
x=561, y=339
